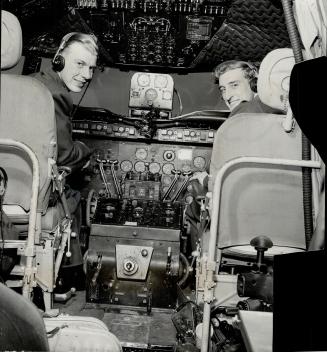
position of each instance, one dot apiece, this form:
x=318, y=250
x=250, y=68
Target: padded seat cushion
x=27, y=115
x=259, y=199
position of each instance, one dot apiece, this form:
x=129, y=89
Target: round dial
x=166, y=180
x=141, y=153
x=151, y=94
x=199, y=162
x=169, y=155
x=160, y=81
x=154, y=168
x=126, y=166
x=166, y=168
x=139, y=166
x=143, y=80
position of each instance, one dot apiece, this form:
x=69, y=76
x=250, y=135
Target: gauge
x=166, y=180
x=186, y=167
x=139, y=166
x=154, y=168
x=160, y=81
x=126, y=166
x=141, y=153
x=151, y=94
x=199, y=162
x=169, y=155
x=166, y=168
x=143, y=80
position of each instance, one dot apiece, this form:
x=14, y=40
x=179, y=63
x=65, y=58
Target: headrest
x=274, y=78
x=11, y=40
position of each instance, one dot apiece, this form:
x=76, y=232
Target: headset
x=58, y=61
x=250, y=71
x=251, y=74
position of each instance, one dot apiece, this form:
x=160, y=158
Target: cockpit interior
x=188, y=228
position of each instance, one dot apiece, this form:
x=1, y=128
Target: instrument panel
x=151, y=90
x=154, y=158
x=93, y=129
x=143, y=169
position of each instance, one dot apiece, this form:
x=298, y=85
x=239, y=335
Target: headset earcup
x=253, y=84
x=58, y=63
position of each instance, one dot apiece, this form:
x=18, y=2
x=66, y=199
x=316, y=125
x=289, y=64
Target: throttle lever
x=176, y=174
x=103, y=175
x=187, y=175
x=112, y=164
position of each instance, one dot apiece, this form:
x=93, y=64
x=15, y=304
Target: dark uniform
x=70, y=153
x=254, y=106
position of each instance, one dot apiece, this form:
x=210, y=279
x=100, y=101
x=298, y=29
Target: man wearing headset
x=72, y=69
x=237, y=85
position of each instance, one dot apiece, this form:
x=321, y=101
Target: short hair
x=250, y=71
x=89, y=41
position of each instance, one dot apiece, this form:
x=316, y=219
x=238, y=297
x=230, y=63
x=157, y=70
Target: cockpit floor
x=134, y=328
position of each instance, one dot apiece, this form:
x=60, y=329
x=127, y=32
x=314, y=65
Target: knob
x=130, y=266
x=261, y=244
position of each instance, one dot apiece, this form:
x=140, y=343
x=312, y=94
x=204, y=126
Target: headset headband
x=64, y=42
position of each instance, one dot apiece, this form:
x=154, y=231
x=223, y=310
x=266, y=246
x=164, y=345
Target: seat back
x=21, y=324
x=26, y=115
x=259, y=199
x=28, y=150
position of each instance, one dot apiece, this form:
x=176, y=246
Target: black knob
x=261, y=244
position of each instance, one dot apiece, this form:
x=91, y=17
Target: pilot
x=237, y=81
x=72, y=70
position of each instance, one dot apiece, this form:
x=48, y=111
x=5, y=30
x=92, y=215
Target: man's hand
x=199, y=182
x=201, y=177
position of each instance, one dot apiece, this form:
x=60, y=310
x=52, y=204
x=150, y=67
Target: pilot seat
x=254, y=199
x=40, y=227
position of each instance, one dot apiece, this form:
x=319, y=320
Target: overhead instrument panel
x=151, y=90
x=154, y=35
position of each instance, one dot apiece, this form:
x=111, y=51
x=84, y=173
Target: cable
x=76, y=106
x=222, y=115
x=180, y=102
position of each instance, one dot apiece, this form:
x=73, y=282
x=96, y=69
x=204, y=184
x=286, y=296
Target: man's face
x=79, y=66
x=235, y=88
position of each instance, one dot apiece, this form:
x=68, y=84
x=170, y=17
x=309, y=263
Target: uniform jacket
x=70, y=153
x=253, y=106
